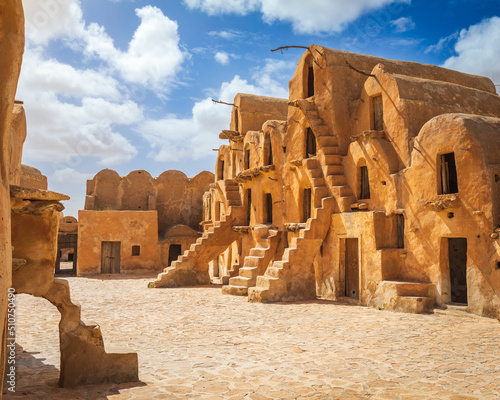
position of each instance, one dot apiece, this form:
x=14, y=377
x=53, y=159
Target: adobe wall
x=472, y=213
x=182, y=235
x=177, y=198
x=11, y=50
x=68, y=224
x=251, y=111
x=131, y=228
x=32, y=178
x=338, y=87
x=18, y=136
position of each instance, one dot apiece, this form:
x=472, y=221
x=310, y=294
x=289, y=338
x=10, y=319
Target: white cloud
x=43, y=73
x=231, y=34
x=49, y=19
x=313, y=16
x=214, y=7
x=153, y=56
x=442, y=44
x=403, y=24
x=477, y=50
x=193, y=138
x=69, y=175
x=222, y=57
x=65, y=132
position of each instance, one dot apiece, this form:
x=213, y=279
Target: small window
x=269, y=208
x=448, y=171
x=378, y=113
x=365, y=184
x=247, y=159
x=310, y=143
x=136, y=250
x=307, y=204
x=220, y=170
x=310, y=81
x=249, y=205
x=400, y=219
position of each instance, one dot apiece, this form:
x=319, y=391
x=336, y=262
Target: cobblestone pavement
x=195, y=343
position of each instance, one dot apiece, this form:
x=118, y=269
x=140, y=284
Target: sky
x=128, y=84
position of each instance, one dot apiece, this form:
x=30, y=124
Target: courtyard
x=195, y=343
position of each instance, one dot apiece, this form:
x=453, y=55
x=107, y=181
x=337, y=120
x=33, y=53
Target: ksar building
x=377, y=180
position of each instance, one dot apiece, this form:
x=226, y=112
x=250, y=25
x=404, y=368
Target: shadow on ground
x=33, y=376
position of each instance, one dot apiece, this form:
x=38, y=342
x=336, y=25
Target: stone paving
x=195, y=343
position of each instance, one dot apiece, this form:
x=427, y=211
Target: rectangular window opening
x=365, y=184
x=310, y=143
x=136, y=250
x=269, y=208
x=449, y=181
x=310, y=81
x=307, y=204
x=400, y=219
x=249, y=205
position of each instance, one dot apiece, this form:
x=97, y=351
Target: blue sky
x=127, y=84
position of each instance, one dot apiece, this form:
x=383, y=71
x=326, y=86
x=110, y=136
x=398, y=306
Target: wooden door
x=307, y=204
x=269, y=208
x=351, y=268
x=110, y=257
x=457, y=254
x=378, y=114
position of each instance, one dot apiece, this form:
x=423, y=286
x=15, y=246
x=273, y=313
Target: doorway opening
x=110, y=257
x=378, y=113
x=351, y=268
x=174, y=251
x=307, y=205
x=269, y=208
x=310, y=143
x=449, y=181
x=457, y=261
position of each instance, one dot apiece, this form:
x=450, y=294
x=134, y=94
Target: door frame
x=117, y=251
x=342, y=287
x=444, y=261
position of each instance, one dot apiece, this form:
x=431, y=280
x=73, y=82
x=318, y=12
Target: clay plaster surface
x=131, y=228
x=194, y=343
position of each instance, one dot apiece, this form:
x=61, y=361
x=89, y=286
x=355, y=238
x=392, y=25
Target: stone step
x=320, y=192
x=233, y=195
x=265, y=282
x=316, y=173
x=418, y=289
x=252, y=261
x=336, y=180
x=248, y=272
x=342, y=191
x=235, y=290
x=334, y=170
x=414, y=304
x=257, y=252
x=344, y=203
x=312, y=163
x=232, y=203
x=327, y=140
x=318, y=181
x=331, y=150
x=242, y=281
x=333, y=159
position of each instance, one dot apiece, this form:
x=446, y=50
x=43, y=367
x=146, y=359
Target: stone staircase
x=329, y=155
x=409, y=297
x=191, y=268
x=254, y=264
x=292, y=278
